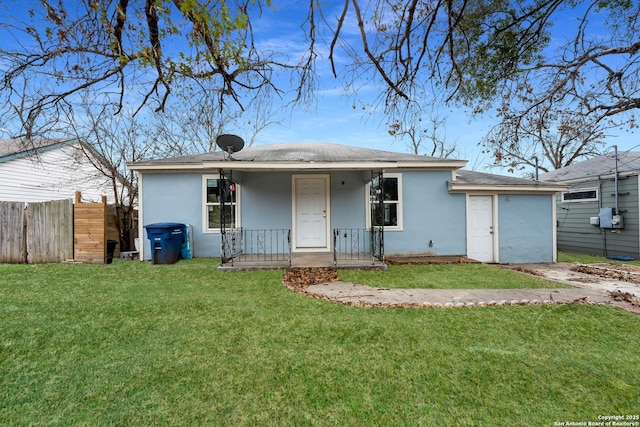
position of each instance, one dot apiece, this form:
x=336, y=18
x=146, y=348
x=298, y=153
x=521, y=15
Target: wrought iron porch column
x=376, y=196
x=223, y=219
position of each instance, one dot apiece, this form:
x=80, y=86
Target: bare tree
x=424, y=132
x=474, y=52
x=144, y=50
x=476, y=49
x=556, y=100
x=110, y=142
x=555, y=138
x=192, y=124
x=113, y=140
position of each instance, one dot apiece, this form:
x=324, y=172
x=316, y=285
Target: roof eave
x=37, y=150
x=455, y=187
x=595, y=177
x=282, y=166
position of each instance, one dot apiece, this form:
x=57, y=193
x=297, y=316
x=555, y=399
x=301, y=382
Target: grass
x=446, y=276
x=591, y=259
x=135, y=344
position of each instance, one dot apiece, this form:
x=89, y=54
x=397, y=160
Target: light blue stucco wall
x=430, y=213
x=177, y=197
x=348, y=199
x=267, y=198
x=265, y=201
x=525, y=228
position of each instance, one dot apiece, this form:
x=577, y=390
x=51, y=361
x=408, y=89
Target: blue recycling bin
x=166, y=239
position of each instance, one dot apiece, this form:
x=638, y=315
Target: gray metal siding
x=575, y=234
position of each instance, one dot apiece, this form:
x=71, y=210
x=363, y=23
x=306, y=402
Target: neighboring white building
x=46, y=170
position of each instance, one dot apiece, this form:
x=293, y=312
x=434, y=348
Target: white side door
x=480, y=230
x=310, y=217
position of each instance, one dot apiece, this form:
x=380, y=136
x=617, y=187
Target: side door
x=480, y=228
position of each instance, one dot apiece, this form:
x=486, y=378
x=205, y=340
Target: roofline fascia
x=595, y=177
x=455, y=187
x=284, y=166
x=38, y=150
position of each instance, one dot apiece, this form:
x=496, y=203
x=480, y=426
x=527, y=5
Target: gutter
x=455, y=187
x=293, y=166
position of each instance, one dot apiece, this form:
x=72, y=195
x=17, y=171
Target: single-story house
x=598, y=213
x=276, y=201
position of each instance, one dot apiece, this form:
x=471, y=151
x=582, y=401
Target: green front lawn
x=591, y=259
x=136, y=344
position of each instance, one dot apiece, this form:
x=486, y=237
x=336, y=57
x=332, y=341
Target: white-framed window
x=214, y=189
x=581, y=195
x=391, y=188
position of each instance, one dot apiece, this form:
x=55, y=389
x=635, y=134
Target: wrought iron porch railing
x=256, y=245
x=358, y=244
x=231, y=244
x=377, y=242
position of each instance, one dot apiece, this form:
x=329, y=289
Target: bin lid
x=165, y=225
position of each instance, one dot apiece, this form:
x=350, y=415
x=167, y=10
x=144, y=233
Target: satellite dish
x=229, y=143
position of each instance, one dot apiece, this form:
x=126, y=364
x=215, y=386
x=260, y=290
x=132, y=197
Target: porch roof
x=469, y=181
x=300, y=156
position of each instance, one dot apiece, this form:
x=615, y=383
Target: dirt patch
x=626, y=301
x=528, y=271
x=300, y=278
x=625, y=273
x=625, y=297
x=400, y=260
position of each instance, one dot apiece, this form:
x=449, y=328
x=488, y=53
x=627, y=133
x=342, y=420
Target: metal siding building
x=577, y=232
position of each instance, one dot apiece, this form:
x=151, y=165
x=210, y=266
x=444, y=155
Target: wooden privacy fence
x=90, y=231
x=36, y=232
x=56, y=231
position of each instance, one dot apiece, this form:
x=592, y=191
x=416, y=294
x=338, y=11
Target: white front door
x=480, y=228
x=310, y=216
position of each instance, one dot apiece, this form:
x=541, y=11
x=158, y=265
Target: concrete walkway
x=587, y=289
x=353, y=294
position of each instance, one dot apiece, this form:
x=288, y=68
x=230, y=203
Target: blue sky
x=332, y=117
x=336, y=117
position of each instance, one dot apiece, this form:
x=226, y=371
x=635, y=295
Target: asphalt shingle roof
x=628, y=161
x=303, y=152
x=10, y=147
x=480, y=178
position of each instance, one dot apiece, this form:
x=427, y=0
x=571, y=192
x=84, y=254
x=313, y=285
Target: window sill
x=217, y=230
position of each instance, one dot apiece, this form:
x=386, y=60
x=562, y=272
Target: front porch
x=244, y=249
x=302, y=260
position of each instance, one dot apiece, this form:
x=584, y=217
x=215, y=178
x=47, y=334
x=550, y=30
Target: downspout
x=381, y=204
x=141, y=239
